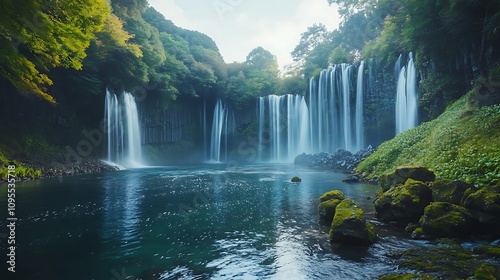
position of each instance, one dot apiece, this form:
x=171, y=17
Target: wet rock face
x=341, y=160
x=349, y=226
x=443, y=219
x=403, y=203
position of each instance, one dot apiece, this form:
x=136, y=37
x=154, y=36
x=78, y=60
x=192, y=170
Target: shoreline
x=88, y=165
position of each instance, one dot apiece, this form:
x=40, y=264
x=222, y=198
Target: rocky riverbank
x=430, y=208
x=57, y=164
x=341, y=160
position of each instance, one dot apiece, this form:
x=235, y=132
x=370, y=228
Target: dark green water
x=203, y=222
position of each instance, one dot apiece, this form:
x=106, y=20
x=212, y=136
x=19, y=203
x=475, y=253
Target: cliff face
x=463, y=143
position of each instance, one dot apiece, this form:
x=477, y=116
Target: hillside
x=463, y=143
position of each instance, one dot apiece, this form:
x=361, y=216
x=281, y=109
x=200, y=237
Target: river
x=190, y=222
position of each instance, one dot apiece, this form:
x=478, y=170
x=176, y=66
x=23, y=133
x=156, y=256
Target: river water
x=196, y=222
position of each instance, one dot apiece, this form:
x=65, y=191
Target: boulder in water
x=296, y=179
x=349, y=225
x=328, y=203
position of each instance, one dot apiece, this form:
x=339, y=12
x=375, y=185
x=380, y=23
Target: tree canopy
x=37, y=36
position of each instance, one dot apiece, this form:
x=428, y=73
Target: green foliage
x=460, y=144
x=37, y=36
x=292, y=85
x=20, y=171
x=340, y=55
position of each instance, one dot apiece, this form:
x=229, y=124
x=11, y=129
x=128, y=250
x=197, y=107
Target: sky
x=239, y=26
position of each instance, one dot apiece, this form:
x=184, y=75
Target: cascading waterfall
x=261, y=120
x=123, y=130
x=297, y=126
x=359, y=109
x=407, y=97
x=285, y=141
x=326, y=124
x=346, y=108
x=223, y=125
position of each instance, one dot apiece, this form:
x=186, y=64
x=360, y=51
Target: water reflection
x=122, y=210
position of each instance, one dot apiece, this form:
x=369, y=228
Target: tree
x=262, y=71
x=37, y=36
x=310, y=40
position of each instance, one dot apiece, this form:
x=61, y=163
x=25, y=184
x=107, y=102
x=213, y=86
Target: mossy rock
x=296, y=179
x=402, y=174
x=419, y=234
x=485, y=208
x=403, y=203
x=443, y=219
x=450, y=191
x=386, y=181
x=327, y=205
x=490, y=250
x=485, y=272
x=486, y=199
x=447, y=261
x=407, y=276
x=349, y=225
x=335, y=194
x=326, y=210
x=415, y=172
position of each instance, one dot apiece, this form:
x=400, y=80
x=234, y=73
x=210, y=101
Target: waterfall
x=313, y=125
x=217, y=127
x=407, y=98
x=297, y=126
x=332, y=119
x=359, y=109
x=346, y=107
x=123, y=130
x=261, y=120
x=285, y=141
x=223, y=125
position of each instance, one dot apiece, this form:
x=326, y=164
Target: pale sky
x=238, y=26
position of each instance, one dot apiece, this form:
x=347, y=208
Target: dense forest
x=58, y=59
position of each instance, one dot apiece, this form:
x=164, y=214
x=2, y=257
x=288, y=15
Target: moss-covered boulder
x=403, y=203
x=485, y=272
x=349, y=225
x=328, y=204
x=415, y=172
x=485, y=208
x=443, y=219
x=486, y=199
x=296, y=179
x=446, y=260
x=450, y=191
x=489, y=250
x=335, y=194
x=403, y=173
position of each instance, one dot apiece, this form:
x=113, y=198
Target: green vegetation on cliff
x=462, y=144
x=20, y=171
